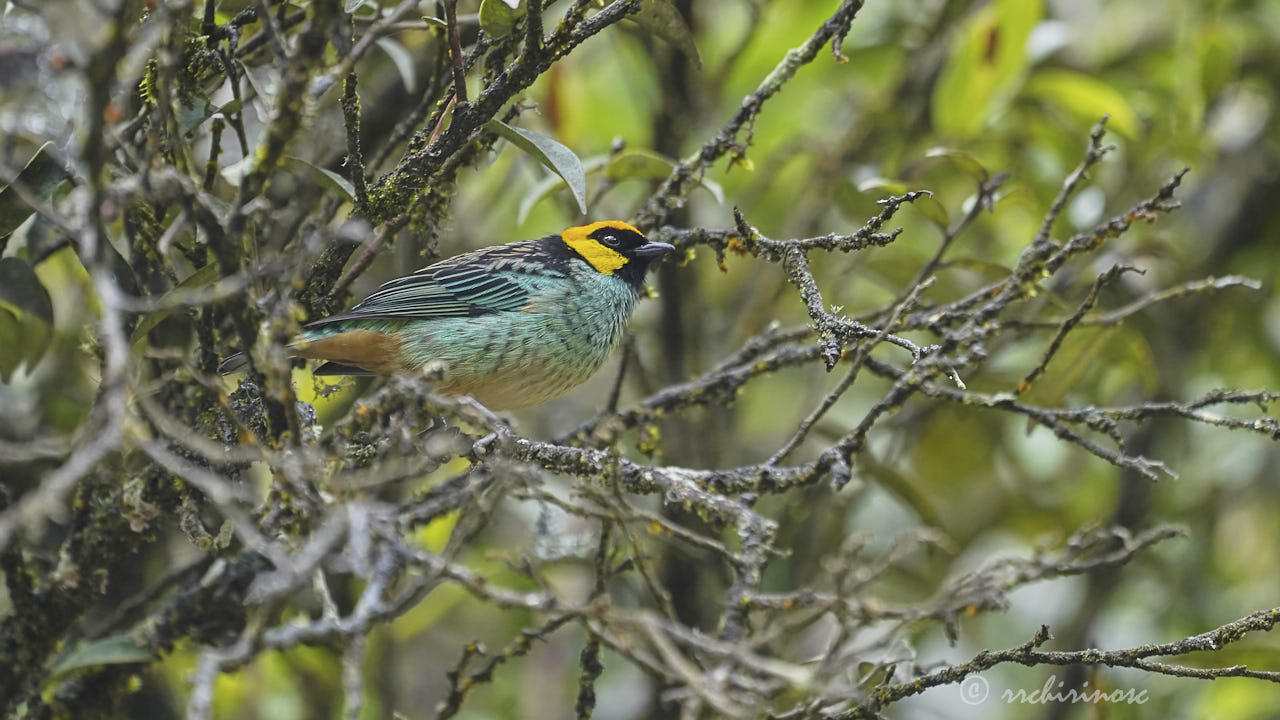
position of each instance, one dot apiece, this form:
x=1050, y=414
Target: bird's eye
x=610, y=240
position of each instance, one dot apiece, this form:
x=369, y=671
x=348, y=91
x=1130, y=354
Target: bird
x=511, y=325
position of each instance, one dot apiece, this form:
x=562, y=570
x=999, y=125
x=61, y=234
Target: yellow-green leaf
x=986, y=66
x=641, y=164
x=882, y=186
x=26, y=317
x=636, y=163
x=498, y=17
x=1085, y=97
x=962, y=160
x=935, y=211
x=113, y=650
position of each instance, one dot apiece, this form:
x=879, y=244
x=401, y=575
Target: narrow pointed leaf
x=402, y=60
x=198, y=279
x=42, y=177
x=662, y=19
x=558, y=158
x=329, y=177
x=552, y=184
x=26, y=317
x=114, y=650
x=541, y=190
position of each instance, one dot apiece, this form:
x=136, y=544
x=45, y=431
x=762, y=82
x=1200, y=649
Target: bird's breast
x=558, y=340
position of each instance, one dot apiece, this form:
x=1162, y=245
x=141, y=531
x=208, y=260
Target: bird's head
x=615, y=248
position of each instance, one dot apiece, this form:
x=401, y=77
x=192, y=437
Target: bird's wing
x=439, y=291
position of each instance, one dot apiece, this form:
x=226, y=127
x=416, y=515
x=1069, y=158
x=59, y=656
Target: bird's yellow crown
x=605, y=260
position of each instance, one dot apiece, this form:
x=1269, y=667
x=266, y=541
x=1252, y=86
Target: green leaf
x=339, y=182
x=632, y=164
x=1016, y=194
x=558, y=158
x=882, y=186
x=851, y=203
x=1219, y=58
x=26, y=317
x=402, y=60
x=1087, y=98
x=1074, y=360
x=962, y=160
x=113, y=650
x=935, y=211
x=41, y=177
x=351, y=6
x=662, y=19
x=328, y=177
x=926, y=205
x=435, y=22
x=641, y=164
x=198, y=279
x=857, y=203
x=551, y=184
x=11, y=332
x=985, y=68
x=541, y=190
x=498, y=17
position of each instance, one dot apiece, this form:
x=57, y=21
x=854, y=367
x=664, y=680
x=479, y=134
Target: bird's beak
x=652, y=248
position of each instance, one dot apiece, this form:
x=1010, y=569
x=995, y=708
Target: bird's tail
x=239, y=361
x=233, y=363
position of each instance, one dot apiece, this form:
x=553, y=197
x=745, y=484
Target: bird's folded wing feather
x=433, y=292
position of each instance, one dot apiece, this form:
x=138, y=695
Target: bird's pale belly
x=514, y=386
x=516, y=365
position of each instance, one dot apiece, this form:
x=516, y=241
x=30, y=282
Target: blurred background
x=928, y=94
